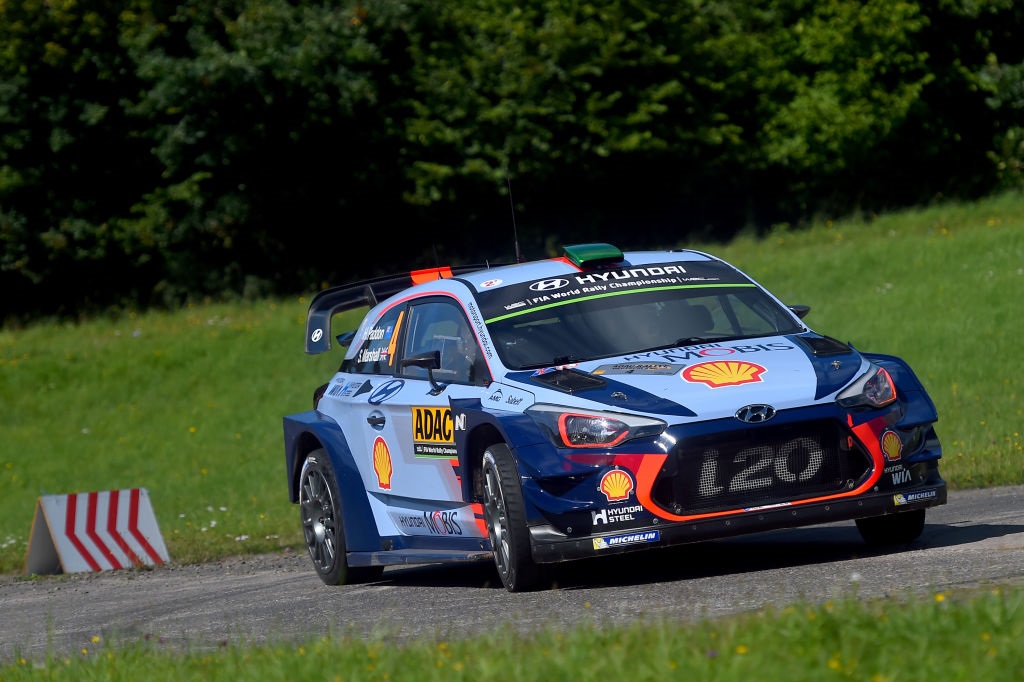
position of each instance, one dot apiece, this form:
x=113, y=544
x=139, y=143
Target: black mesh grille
x=761, y=466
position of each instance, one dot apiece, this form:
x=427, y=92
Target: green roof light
x=582, y=255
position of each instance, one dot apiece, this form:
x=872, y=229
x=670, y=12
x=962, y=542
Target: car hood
x=709, y=381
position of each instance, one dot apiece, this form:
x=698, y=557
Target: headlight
x=874, y=388
x=582, y=429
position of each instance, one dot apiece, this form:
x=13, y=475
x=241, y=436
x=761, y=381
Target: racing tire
x=892, y=529
x=323, y=526
x=505, y=514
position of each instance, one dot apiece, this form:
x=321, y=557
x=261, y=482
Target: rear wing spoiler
x=369, y=292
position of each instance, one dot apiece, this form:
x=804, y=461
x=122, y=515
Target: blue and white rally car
x=596, y=403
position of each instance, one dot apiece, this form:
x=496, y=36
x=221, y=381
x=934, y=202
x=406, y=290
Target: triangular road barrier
x=96, y=531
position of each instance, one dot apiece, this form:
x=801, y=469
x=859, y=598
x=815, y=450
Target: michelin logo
x=907, y=498
x=630, y=539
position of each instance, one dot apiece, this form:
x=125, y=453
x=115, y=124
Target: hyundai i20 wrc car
x=591, y=404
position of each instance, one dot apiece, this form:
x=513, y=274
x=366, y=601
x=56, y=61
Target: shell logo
x=723, y=373
x=616, y=485
x=382, y=463
x=892, y=446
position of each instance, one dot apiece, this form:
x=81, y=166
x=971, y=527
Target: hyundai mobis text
x=591, y=404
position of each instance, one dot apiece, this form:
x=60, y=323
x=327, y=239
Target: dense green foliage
x=155, y=151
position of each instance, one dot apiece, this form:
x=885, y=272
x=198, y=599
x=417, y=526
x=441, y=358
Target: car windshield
x=590, y=328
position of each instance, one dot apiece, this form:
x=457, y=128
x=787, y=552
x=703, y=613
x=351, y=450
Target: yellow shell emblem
x=892, y=446
x=723, y=373
x=616, y=485
x=382, y=463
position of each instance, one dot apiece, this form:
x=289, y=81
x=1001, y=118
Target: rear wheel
x=892, y=529
x=505, y=513
x=320, y=510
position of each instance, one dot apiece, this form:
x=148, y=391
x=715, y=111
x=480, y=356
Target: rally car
x=595, y=403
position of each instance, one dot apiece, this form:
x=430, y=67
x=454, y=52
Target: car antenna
x=515, y=234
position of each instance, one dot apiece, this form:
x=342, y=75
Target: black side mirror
x=345, y=340
x=430, y=361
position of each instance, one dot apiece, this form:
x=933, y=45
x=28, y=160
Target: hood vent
x=824, y=346
x=569, y=380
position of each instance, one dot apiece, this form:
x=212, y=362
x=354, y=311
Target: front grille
x=759, y=466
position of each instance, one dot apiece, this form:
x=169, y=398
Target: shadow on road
x=747, y=554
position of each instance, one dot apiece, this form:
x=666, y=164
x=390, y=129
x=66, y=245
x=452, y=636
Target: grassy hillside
x=189, y=404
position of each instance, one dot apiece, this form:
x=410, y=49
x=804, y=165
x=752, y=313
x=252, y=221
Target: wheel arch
x=305, y=444
x=470, y=459
x=476, y=429
x=308, y=432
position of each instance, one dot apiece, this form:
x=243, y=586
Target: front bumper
x=550, y=545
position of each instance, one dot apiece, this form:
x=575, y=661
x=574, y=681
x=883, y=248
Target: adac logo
x=382, y=463
x=616, y=485
x=723, y=373
x=892, y=446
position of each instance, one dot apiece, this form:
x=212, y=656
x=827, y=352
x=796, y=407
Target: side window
x=442, y=326
x=376, y=353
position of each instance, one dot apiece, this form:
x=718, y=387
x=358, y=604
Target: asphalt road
x=977, y=539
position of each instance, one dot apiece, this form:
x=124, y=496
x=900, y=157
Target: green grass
x=188, y=404
x=968, y=636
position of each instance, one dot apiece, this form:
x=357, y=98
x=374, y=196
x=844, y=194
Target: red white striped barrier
x=95, y=531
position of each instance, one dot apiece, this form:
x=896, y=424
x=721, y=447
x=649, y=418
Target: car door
x=406, y=421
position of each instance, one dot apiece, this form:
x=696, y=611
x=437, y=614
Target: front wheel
x=320, y=510
x=892, y=529
x=505, y=513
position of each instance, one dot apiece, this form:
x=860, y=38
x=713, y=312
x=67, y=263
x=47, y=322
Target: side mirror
x=430, y=361
x=800, y=310
x=345, y=340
